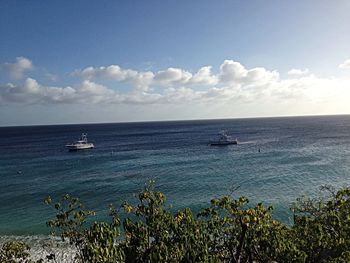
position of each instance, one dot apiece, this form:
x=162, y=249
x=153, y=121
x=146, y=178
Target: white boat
x=82, y=144
x=223, y=139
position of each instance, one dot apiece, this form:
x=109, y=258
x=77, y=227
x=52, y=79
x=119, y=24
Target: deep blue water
x=297, y=155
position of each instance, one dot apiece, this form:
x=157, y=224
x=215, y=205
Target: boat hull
x=73, y=148
x=222, y=143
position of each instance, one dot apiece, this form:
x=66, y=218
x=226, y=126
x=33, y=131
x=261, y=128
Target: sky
x=119, y=61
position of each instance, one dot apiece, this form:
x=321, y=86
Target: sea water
x=276, y=160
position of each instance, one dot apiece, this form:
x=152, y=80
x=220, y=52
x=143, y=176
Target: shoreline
x=43, y=245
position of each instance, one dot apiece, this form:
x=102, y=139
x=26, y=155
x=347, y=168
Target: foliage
x=322, y=227
x=70, y=221
x=228, y=230
x=156, y=235
x=102, y=243
x=15, y=251
x=243, y=234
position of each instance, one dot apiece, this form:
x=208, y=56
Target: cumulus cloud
x=87, y=92
x=232, y=83
x=232, y=72
x=143, y=80
x=16, y=70
x=298, y=72
x=172, y=76
x=345, y=64
x=204, y=77
x=140, y=80
x=32, y=92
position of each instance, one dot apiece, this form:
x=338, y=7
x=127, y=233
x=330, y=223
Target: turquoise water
x=297, y=155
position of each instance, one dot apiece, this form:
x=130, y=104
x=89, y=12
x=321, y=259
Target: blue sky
x=145, y=60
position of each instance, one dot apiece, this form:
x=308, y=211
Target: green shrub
x=322, y=227
x=228, y=230
x=15, y=251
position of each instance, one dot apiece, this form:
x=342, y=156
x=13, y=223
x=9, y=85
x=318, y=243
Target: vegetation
x=228, y=230
x=15, y=251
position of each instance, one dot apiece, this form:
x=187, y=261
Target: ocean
x=297, y=155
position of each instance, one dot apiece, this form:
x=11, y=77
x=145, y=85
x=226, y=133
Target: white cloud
x=32, y=92
x=261, y=76
x=172, y=76
x=91, y=92
x=233, y=84
x=223, y=94
x=232, y=72
x=16, y=70
x=345, y=64
x=298, y=72
x=140, y=80
x=180, y=95
x=204, y=77
x=143, y=80
x=87, y=92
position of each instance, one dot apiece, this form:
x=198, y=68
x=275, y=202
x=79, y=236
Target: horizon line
x=178, y=120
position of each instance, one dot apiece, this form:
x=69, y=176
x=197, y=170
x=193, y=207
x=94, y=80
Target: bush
x=322, y=227
x=15, y=251
x=229, y=230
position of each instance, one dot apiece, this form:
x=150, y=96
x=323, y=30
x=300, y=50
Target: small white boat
x=82, y=144
x=223, y=139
